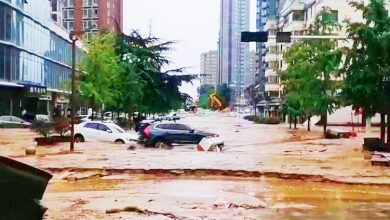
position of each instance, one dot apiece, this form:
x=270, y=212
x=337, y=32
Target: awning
x=58, y=91
x=10, y=84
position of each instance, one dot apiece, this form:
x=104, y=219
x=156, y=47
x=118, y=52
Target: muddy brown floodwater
x=214, y=198
x=265, y=172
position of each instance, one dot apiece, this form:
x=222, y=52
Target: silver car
x=8, y=121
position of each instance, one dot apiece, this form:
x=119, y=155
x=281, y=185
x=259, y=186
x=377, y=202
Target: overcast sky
x=194, y=24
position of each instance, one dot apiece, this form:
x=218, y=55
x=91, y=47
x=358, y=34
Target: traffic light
x=283, y=37
x=254, y=36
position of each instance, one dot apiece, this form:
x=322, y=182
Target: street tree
x=313, y=64
x=253, y=95
x=223, y=93
x=367, y=65
x=99, y=71
x=203, y=89
x=204, y=92
x=145, y=61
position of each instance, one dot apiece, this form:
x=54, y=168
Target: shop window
x=2, y=62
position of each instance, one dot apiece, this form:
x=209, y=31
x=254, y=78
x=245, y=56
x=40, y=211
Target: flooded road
x=265, y=172
x=214, y=198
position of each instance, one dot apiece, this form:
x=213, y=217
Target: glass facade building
x=30, y=53
x=233, y=54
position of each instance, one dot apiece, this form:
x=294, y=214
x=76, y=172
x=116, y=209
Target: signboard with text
x=35, y=91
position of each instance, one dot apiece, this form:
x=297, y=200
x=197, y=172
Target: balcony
x=270, y=57
x=271, y=42
x=272, y=87
x=294, y=26
x=270, y=72
x=294, y=6
x=270, y=25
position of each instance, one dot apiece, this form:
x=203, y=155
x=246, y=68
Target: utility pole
x=73, y=38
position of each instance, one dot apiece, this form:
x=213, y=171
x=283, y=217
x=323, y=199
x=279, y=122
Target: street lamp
x=73, y=38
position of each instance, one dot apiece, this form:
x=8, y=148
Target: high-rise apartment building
x=249, y=78
x=92, y=16
x=233, y=55
x=266, y=20
x=293, y=16
x=209, y=68
x=56, y=11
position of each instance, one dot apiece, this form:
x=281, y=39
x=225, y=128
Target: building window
x=71, y=13
x=70, y=25
x=273, y=49
x=335, y=14
x=298, y=15
x=273, y=65
x=85, y=13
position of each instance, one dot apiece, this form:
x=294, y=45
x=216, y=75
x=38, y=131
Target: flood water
x=268, y=198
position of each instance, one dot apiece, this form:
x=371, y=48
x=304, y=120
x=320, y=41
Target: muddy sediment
x=211, y=173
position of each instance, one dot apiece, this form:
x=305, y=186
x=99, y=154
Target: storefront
x=18, y=97
x=10, y=98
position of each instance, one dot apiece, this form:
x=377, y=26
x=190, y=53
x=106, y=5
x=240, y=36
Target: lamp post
x=73, y=38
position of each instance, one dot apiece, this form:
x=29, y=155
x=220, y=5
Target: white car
x=172, y=116
x=44, y=118
x=13, y=122
x=101, y=131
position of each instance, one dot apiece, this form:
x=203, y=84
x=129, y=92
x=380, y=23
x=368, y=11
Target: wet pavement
x=266, y=172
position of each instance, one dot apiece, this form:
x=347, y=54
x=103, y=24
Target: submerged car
x=162, y=135
x=13, y=122
x=172, y=117
x=101, y=131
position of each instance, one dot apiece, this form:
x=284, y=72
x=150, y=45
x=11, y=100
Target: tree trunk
x=290, y=120
x=102, y=114
x=93, y=109
x=254, y=108
x=383, y=127
x=388, y=130
x=295, y=122
x=308, y=123
x=325, y=117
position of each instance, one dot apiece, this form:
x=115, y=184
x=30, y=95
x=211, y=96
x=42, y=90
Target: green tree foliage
x=203, y=89
x=310, y=78
x=204, y=92
x=223, y=93
x=127, y=73
x=144, y=59
x=367, y=63
x=100, y=70
x=204, y=99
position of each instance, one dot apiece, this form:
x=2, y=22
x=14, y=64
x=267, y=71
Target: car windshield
x=15, y=119
x=116, y=128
